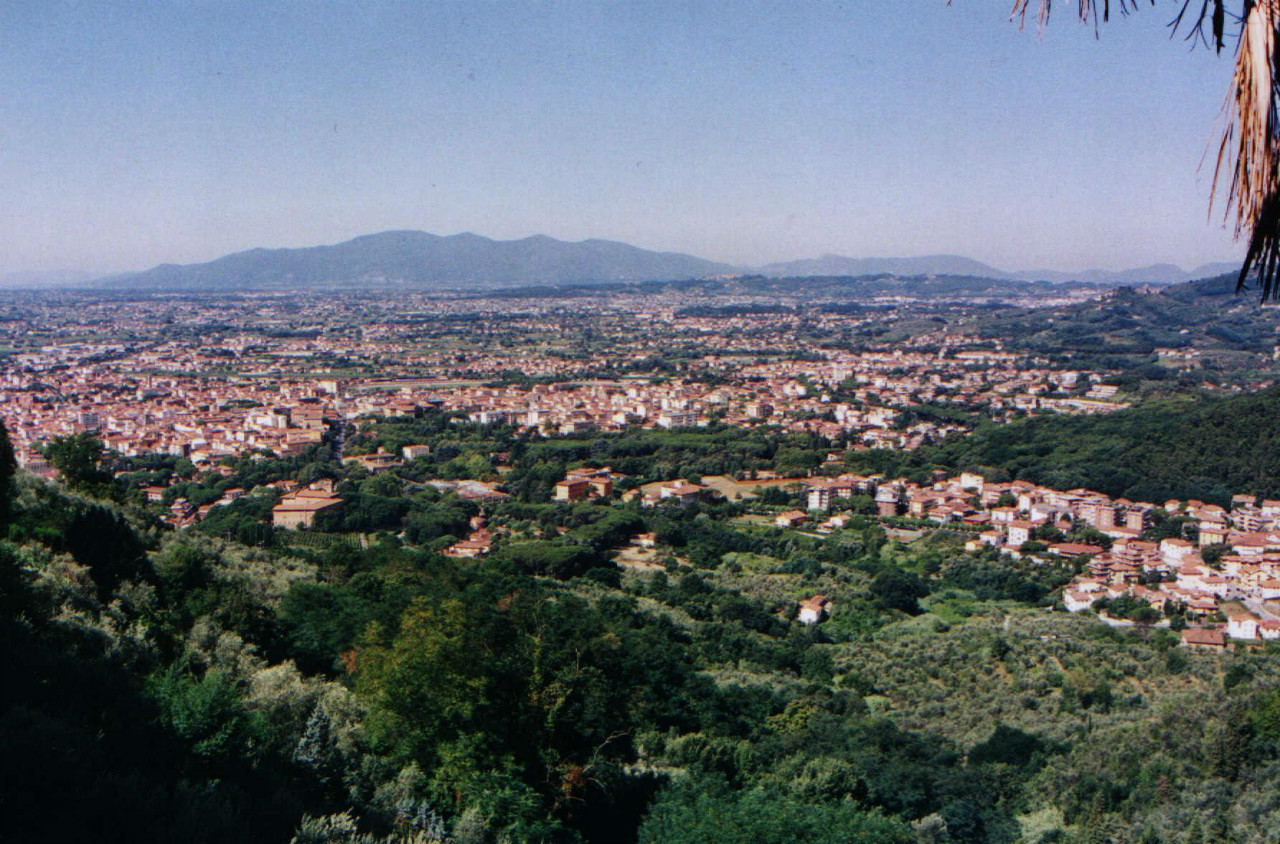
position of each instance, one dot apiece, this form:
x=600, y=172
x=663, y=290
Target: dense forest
x=234, y=682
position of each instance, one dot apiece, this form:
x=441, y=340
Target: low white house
x=1241, y=624
x=814, y=610
x=1019, y=532
x=1076, y=601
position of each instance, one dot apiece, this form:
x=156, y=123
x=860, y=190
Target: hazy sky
x=136, y=133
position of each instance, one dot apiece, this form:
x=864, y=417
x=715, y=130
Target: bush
x=895, y=589
x=552, y=559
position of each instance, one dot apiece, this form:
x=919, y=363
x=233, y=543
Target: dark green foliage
x=553, y=703
x=369, y=512
x=321, y=621
x=431, y=521
x=1265, y=716
x=610, y=529
x=204, y=711
x=88, y=754
x=97, y=534
x=896, y=589
x=1004, y=580
x=79, y=458
x=1126, y=606
x=710, y=813
x=1214, y=553
x=551, y=558
x=1209, y=449
x=246, y=520
x=183, y=569
x=1009, y=746
x=105, y=542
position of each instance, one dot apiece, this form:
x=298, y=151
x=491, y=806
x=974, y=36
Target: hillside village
x=1234, y=594
x=1171, y=574
x=1222, y=584
x=380, y=462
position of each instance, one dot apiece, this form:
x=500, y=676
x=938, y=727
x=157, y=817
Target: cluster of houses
x=680, y=491
x=587, y=483
x=182, y=512
x=581, y=484
x=477, y=544
x=1225, y=566
x=299, y=508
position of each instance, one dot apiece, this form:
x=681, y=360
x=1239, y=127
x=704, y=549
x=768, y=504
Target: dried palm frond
x=1087, y=9
x=1213, y=11
x=1248, y=150
x=1263, y=257
x=1248, y=160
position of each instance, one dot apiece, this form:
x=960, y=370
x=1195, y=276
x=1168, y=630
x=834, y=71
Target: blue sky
x=136, y=133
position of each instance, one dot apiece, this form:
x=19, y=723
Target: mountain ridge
x=469, y=261
x=424, y=259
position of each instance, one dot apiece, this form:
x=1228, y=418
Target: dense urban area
x=735, y=559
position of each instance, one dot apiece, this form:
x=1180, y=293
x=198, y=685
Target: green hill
x=1224, y=327
x=1206, y=448
x=423, y=260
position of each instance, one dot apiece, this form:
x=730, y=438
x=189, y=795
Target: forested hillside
x=350, y=683
x=1128, y=327
x=1206, y=448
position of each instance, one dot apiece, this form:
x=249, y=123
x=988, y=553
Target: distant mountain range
x=421, y=260
x=832, y=265
x=1153, y=274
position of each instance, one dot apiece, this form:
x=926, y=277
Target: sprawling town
x=274, y=376
x=205, y=380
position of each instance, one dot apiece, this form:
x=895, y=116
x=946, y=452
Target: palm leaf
x=1086, y=9
x=1248, y=161
x=1247, y=154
